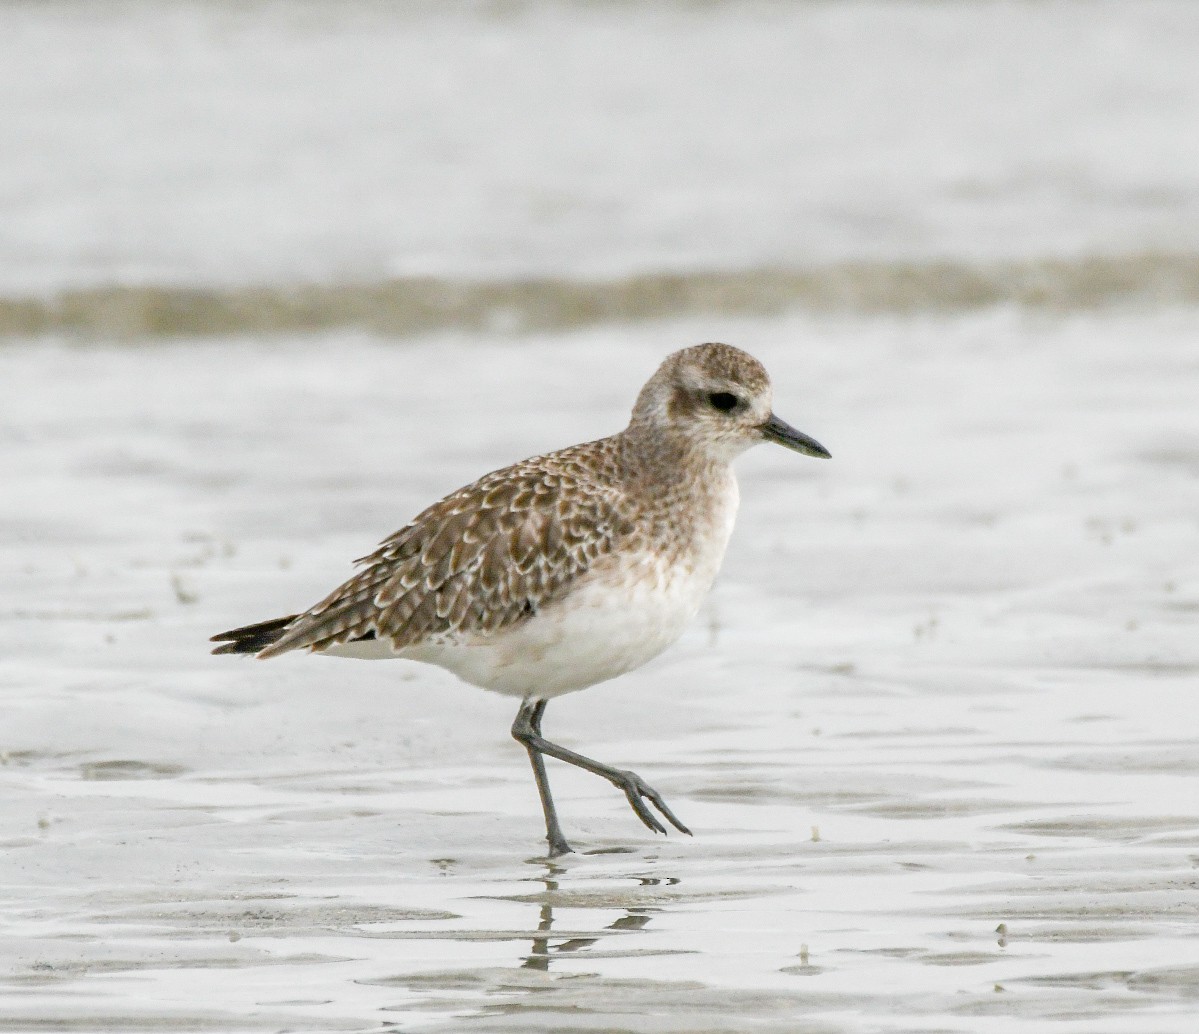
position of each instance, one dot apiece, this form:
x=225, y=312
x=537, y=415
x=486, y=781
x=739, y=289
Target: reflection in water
x=635, y=917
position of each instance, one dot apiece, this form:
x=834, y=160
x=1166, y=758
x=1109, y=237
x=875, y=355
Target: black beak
x=776, y=430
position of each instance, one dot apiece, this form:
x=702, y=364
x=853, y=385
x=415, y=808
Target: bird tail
x=252, y=638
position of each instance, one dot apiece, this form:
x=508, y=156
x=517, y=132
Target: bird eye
x=723, y=400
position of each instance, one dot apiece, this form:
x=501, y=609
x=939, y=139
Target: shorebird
x=562, y=570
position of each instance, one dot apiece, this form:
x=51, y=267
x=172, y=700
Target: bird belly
x=612, y=622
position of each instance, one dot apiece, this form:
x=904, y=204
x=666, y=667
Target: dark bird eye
x=723, y=400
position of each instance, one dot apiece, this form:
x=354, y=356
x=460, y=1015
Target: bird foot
x=559, y=846
x=638, y=791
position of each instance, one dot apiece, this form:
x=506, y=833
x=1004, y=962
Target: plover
x=563, y=570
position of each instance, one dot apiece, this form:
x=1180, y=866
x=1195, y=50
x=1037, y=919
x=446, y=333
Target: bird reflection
x=542, y=951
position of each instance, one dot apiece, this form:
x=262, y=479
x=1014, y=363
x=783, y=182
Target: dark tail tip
x=252, y=638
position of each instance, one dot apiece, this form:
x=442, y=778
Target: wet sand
x=934, y=732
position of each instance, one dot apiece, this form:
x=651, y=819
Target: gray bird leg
x=527, y=730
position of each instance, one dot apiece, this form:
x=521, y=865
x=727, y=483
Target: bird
x=562, y=570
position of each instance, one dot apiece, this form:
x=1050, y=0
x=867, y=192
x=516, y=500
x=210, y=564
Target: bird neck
x=666, y=462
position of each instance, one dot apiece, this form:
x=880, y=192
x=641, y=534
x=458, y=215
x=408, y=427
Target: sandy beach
x=932, y=730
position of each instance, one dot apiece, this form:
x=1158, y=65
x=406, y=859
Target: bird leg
x=527, y=730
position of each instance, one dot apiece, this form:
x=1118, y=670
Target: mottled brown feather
x=483, y=559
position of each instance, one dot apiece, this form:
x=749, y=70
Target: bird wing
x=483, y=559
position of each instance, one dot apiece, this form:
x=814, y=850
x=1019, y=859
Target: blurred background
x=216, y=167
x=274, y=276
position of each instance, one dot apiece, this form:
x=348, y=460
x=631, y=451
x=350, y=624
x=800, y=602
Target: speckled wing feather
x=483, y=559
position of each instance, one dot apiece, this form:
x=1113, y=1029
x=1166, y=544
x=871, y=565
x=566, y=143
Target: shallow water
x=934, y=731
